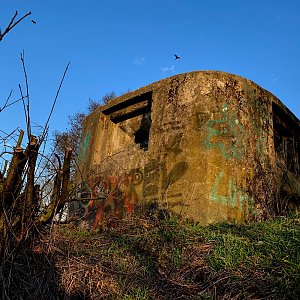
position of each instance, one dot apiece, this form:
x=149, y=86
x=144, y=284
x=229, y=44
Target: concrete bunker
x=209, y=145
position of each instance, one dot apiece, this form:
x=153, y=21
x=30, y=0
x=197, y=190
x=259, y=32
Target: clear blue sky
x=116, y=45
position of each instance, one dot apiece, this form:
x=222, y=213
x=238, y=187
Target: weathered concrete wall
x=198, y=143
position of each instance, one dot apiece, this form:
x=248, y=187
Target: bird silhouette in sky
x=176, y=56
x=34, y=22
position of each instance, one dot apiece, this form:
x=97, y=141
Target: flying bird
x=176, y=56
x=34, y=22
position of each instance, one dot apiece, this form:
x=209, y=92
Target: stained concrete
x=204, y=144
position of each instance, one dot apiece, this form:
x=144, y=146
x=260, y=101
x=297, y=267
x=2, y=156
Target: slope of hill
x=161, y=257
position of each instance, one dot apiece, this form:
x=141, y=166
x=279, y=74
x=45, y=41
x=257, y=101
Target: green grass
x=177, y=259
x=272, y=247
x=138, y=294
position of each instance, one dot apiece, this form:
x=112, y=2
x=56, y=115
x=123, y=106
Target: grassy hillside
x=163, y=257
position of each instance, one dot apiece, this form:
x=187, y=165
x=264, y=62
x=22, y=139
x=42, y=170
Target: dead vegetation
x=154, y=258
x=23, y=209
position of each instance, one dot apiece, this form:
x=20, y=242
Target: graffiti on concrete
x=170, y=126
x=151, y=178
x=226, y=134
x=114, y=195
x=201, y=118
x=84, y=145
x=174, y=145
x=85, y=196
x=118, y=195
x=174, y=175
x=156, y=176
x=235, y=196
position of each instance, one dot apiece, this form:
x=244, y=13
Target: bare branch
x=41, y=155
x=27, y=95
x=12, y=20
x=12, y=24
x=8, y=135
x=54, y=102
x=24, y=106
x=5, y=104
x=45, y=157
x=6, y=152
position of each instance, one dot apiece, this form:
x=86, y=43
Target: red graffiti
x=112, y=195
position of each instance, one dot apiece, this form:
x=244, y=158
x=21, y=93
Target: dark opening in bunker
x=141, y=136
x=135, y=115
x=286, y=139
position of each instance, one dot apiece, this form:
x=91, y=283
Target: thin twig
x=12, y=24
x=41, y=155
x=27, y=95
x=12, y=103
x=54, y=102
x=6, y=152
x=24, y=107
x=5, y=104
x=50, y=162
x=9, y=135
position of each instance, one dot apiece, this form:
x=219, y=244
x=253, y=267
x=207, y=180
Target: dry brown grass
x=141, y=258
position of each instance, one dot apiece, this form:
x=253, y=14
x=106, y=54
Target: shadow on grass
x=29, y=275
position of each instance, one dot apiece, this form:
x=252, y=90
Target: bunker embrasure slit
x=136, y=113
x=141, y=136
